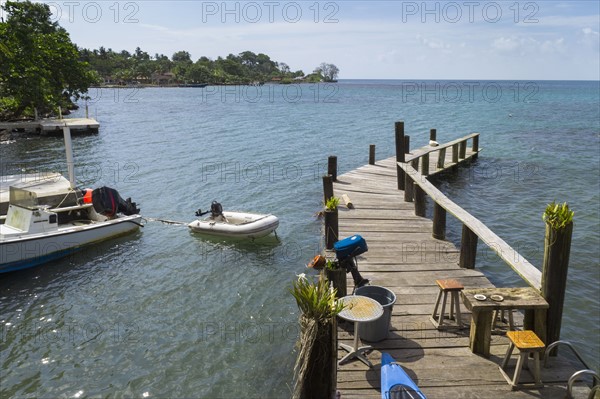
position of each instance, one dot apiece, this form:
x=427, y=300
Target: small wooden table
x=514, y=298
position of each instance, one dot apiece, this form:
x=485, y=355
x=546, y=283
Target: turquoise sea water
x=165, y=313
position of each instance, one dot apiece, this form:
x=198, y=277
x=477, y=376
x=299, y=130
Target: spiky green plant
x=332, y=203
x=315, y=299
x=332, y=264
x=558, y=216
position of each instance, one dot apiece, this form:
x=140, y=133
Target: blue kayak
x=395, y=383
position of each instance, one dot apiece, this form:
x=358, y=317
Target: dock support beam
x=372, y=154
x=332, y=167
x=468, y=248
x=327, y=188
x=439, y=222
x=399, y=130
x=420, y=201
x=557, y=248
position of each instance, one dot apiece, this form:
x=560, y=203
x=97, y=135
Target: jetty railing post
x=372, y=154
x=331, y=217
x=439, y=222
x=332, y=167
x=468, y=248
x=557, y=248
x=420, y=200
x=407, y=144
x=331, y=228
x=441, y=158
x=425, y=165
x=408, y=188
x=433, y=134
x=399, y=131
x=462, y=151
x=475, y=144
x=327, y=188
x=455, y=154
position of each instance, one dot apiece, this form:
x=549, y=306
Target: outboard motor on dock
x=346, y=251
x=108, y=202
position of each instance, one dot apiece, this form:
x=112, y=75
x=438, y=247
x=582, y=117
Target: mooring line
x=165, y=221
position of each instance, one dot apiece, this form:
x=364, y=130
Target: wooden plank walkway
x=405, y=258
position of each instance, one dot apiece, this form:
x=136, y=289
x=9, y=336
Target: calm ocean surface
x=165, y=313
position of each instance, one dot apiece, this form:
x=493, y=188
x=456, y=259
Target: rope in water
x=165, y=221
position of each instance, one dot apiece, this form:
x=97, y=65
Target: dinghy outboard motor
x=108, y=202
x=216, y=209
x=346, y=251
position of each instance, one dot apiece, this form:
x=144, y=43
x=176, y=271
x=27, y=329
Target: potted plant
x=331, y=221
x=317, y=351
x=336, y=275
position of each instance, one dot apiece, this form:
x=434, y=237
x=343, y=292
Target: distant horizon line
x=474, y=80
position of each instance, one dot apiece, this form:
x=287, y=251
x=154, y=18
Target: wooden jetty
x=54, y=126
x=405, y=257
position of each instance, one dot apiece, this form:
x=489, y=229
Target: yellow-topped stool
x=454, y=288
x=527, y=342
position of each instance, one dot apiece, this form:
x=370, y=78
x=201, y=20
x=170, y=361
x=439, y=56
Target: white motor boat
x=34, y=234
x=234, y=224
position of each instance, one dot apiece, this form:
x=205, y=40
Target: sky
x=525, y=40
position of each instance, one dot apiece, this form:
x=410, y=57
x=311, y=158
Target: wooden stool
x=453, y=287
x=511, y=323
x=527, y=343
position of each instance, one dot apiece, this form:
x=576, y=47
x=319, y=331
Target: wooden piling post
x=331, y=228
x=439, y=222
x=327, y=188
x=468, y=248
x=87, y=112
x=475, y=144
x=399, y=131
x=407, y=144
x=441, y=158
x=409, y=189
x=332, y=167
x=455, y=153
x=433, y=134
x=557, y=248
x=420, y=201
x=462, y=150
x=372, y=154
x=425, y=165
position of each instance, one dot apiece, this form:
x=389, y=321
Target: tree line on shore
x=41, y=69
x=245, y=68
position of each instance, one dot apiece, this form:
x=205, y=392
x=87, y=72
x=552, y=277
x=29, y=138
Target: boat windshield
x=23, y=198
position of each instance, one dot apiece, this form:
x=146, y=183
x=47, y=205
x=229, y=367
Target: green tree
x=328, y=71
x=39, y=65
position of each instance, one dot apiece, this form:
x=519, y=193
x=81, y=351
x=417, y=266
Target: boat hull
x=238, y=225
x=29, y=250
